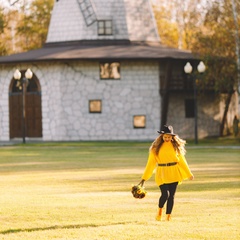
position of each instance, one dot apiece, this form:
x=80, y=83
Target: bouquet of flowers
x=138, y=191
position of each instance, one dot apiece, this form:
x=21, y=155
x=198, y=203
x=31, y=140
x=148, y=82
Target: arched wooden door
x=33, y=109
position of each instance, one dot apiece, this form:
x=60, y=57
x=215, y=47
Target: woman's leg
x=172, y=187
x=162, y=200
x=167, y=194
x=164, y=195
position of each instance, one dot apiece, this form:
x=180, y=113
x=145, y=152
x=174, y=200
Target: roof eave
x=79, y=51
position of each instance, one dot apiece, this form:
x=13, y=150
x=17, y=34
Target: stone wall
x=68, y=87
x=208, y=115
x=6, y=74
x=210, y=112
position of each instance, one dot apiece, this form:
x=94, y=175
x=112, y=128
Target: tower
x=77, y=20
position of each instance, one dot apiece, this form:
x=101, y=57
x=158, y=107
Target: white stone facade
x=210, y=114
x=66, y=89
x=6, y=74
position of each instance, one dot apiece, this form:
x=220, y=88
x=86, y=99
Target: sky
x=4, y=3
x=7, y=3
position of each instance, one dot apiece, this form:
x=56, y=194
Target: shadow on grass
x=56, y=227
x=211, y=186
x=202, y=187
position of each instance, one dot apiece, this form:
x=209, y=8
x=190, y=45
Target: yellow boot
x=159, y=214
x=168, y=217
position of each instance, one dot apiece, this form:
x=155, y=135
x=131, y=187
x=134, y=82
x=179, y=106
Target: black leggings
x=167, y=194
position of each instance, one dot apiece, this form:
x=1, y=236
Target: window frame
x=189, y=108
x=109, y=68
x=105, y=28
x=89, y=105
x=135, y=126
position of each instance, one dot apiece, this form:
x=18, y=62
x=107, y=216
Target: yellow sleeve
x=151, y=164
x=184, y=168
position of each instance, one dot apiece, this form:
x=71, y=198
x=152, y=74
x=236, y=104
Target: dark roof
x=96, y=50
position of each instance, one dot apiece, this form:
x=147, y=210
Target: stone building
x=102, y=75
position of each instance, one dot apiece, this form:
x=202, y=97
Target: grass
x=81, y=190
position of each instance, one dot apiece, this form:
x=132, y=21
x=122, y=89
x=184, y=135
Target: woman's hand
x=191, y=178
x=142, y=182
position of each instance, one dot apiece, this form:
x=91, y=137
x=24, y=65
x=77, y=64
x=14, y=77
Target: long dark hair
x=177, y=142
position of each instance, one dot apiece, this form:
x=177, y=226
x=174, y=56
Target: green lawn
x=81, y=190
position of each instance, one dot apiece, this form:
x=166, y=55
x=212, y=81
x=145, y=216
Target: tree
x=177, y=21
x=33, y=26
x=237, y=41
x=216, y=44
x=167, y=29
x=24, y=25
x=3, y=50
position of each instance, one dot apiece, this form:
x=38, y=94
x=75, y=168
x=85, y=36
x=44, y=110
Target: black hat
x=167, y=130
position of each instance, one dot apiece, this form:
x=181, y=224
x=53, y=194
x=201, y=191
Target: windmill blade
x=88, y=12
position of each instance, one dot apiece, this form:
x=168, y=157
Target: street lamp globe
x=28, y=74
x=17, y=75
x=188, y=68
x=201, y=67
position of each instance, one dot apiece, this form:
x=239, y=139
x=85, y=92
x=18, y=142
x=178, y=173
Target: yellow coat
x=167, y=174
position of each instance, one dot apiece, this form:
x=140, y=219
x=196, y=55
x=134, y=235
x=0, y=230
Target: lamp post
x=188, y=69
x=22, y=85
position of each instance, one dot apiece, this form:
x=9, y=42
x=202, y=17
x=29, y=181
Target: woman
x=167, y=153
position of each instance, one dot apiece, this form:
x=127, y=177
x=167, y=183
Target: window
x=95, y=106
x=189, y=108
x=139, y=121
x=110, y=70
x=105, y=27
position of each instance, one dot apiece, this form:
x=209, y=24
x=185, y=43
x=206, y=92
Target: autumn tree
x=167, y=29
x=3, y=50
x=215, y=41
x=178, y=20
x=34, y=23
x=24, y=25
